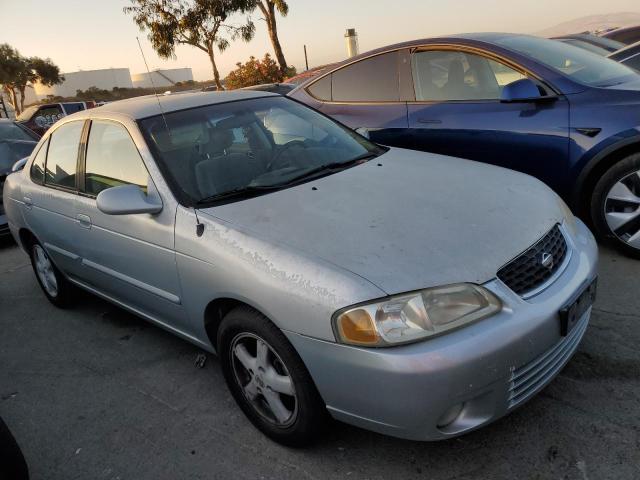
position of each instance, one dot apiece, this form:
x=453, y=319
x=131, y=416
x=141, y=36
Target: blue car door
x=457, y=111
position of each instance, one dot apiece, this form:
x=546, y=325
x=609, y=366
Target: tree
x=42, y=71
x=18, y=72
x=268, y=9
x=11, y=66
x=254, y=72
x=199, y=23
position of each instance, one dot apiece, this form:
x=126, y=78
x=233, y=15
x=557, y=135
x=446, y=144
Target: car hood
x=406, y=220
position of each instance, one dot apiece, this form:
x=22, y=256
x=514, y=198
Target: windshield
x=580, y=65
x=11, y=131
x=258, y=144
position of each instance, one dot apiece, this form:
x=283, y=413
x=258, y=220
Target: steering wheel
x=275, y=164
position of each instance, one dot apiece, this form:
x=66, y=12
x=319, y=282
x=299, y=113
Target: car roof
x=149, y=105
x=484, y=37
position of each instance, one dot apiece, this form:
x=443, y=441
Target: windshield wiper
x=331, y=167
x=241, y=192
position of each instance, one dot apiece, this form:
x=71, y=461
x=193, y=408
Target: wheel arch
x=217, y=309
x=595, y=168
x=27, y=238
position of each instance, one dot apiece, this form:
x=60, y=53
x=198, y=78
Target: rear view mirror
x=523, y=90
x=126, y=200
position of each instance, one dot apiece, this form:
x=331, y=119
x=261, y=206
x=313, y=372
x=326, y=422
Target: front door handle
x=84, y=220
x=27, y=202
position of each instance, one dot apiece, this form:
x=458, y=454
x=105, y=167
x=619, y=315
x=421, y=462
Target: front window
x=447, y=75
x=577, y=64
x=112, y=159
x=249, y=147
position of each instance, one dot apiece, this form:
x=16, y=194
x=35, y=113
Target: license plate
x=573, y=312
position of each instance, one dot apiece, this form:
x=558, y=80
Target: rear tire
x=56, y=288
x=255, y=357
x=615, y=206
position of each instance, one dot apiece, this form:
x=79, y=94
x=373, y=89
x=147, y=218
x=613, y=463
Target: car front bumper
x=458, y=382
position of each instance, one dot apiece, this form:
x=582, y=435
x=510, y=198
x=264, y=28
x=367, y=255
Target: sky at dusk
x=93, y=34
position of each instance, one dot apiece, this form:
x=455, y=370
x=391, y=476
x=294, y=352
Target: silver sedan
x=412, y=294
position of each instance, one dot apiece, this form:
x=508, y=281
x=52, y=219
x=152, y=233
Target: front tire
x=268, y=379
x=56, y=288
x=615, y=206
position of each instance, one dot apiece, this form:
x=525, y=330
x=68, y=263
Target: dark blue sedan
x=546, y=108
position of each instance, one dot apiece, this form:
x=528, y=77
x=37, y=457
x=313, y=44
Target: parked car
x=549, y=109
x=40, y=117
x=591, y=42
x=412, y=294
x=627, y=35
x=16, y=142
x=586, y=46
x=629, y=56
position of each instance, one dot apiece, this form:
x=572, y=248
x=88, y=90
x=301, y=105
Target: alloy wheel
x=622, y=209
x=264, y=379
x=45, y=271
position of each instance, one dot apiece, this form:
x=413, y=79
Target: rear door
x=457, y=111
x=128, y=257
x=368, y=94
x=50, y=201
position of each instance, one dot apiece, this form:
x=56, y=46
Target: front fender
x=592, y=160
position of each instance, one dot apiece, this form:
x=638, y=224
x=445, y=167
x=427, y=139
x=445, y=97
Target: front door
x=458, y=112
x=131, y=258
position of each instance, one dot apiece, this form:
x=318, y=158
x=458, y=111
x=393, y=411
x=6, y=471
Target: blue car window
x=459, y=76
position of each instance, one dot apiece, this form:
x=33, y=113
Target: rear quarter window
x=373, y=79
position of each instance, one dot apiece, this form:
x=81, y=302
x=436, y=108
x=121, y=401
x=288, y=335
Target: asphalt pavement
x=93, y=392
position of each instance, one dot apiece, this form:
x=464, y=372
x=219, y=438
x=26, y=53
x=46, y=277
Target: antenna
x=164, y=119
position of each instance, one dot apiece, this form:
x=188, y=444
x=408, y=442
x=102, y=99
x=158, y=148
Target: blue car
x=560, y=113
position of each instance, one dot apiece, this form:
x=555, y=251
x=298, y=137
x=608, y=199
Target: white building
x=162, y=78
x=105, y=79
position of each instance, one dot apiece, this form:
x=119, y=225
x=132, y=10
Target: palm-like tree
x=268, y=9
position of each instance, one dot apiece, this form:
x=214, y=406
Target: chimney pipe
x=351, y=37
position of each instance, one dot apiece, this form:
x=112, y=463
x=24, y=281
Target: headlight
x=415, y=316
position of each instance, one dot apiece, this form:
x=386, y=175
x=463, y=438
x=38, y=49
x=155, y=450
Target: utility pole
x=306, y=61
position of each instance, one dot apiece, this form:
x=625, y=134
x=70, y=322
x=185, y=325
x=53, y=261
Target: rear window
x=373, y=79
x=63, y=154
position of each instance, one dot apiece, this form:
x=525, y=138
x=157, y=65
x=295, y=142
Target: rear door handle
x=84, y=220
x=27, y=201
x=429, y=121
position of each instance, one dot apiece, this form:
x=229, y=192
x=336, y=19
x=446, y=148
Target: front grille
x=527, y=272
x=530, y=378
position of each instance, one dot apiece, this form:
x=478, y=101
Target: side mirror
x=523, y=90
x=126, y=200
x=19, y=165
